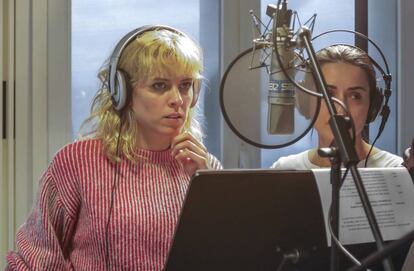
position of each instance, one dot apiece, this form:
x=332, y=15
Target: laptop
x=246, y=220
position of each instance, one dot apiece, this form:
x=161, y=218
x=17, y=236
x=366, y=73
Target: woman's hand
x=189, y=152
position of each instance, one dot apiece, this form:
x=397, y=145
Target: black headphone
x=377, y=103
x=118, y=84
x=379, y=97
x=376, y=98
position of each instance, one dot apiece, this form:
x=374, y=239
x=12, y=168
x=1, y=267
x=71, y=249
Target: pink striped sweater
x=66, y=228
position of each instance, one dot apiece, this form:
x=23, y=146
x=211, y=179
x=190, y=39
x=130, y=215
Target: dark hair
x=351, y=55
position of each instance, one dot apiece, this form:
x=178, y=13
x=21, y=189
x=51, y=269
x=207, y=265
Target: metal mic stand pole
x=336, y=187
x=343, y=141
x=333, y=154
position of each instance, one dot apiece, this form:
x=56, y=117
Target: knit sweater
x=66, y=229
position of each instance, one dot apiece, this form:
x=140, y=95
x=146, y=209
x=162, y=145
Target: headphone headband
x=117, y=81
x=377, y=94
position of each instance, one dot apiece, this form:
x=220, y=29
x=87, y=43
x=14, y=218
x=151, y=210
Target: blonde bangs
x=161, y=52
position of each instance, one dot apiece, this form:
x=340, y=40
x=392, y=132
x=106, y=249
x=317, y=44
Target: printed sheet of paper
x=391, y=193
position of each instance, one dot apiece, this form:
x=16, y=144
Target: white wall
x=236, y=36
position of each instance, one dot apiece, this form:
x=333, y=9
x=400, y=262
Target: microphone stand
x=333, y=154
x=339, y=127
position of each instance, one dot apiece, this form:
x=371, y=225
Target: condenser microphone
x=281, y=96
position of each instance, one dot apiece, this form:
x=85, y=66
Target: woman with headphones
x=111, y=200
x=350, y=77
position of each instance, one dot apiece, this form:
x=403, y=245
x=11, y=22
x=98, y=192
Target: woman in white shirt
x=350, y=77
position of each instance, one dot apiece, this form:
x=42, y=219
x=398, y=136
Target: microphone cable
x=334, y=237
x=115, y=181
x=338, y=243
x=385, y=113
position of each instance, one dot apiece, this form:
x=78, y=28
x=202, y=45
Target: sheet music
x=391, y=193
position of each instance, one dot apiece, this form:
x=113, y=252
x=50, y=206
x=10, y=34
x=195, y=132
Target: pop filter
x=244, y=101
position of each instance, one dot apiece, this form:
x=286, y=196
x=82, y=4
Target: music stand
x=246, y=220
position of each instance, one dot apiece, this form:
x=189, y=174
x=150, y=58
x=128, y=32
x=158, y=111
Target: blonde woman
x=111, y=200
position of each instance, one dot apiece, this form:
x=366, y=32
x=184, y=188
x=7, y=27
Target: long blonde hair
x=156, y=51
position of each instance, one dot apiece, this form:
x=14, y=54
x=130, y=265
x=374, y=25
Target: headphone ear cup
x=119, y=93
x=375, y=105
x=117, y=81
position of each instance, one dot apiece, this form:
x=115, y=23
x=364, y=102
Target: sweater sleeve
x=43, y=241
x=214, y=162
